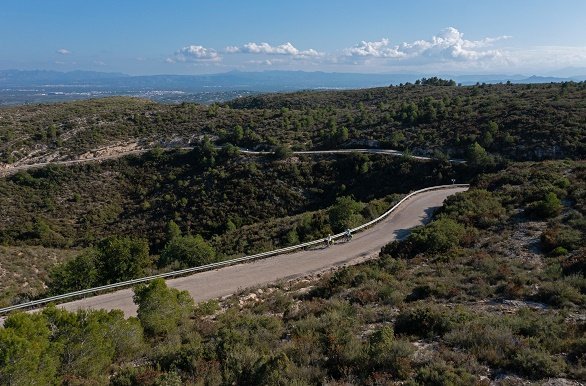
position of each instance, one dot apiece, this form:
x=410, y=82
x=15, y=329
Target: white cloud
x=267, y=49
x=232, y=49
x=63, y=51
x=194, y=53
x=448, y=45
x=377, y=49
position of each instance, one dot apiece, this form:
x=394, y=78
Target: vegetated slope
x=204, y=191
x=492, y=290
x=514, y=121
x=24, y=271
x=238, y=203
x=519, y=122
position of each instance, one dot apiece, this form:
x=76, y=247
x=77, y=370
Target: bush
x=427, y=321
x=345, y=214
x=388, y=354
x=282, y=152
x=162, y=310
x=121, y=258
x=439, y=373
x=561, y=236
x=559, y=294
x=492, y=344
x=537, y=364
x=438, y=236
x=575, y=264
x=26, y=354
x=187, y=251
x=74, y=275
x=549, y=207
x=475, y=207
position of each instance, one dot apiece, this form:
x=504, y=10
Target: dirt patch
x=521, y=242
x=111, y=150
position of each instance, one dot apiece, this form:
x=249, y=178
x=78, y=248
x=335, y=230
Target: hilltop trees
x=435, y=81
x=478, y=157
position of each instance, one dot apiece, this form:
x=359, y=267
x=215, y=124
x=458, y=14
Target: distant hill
x=40, y=86
x=41, y=77
x=261, y=81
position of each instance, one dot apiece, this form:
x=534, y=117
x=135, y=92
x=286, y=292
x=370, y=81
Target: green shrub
x=538, y=364
x=489, y=342
x=576, y=263
x=438, y=236
x=345, y=213
x=549, y=207
x=121, y=258
x=561, y=236
x=439, y=373
x=428, y=321
x=162, y=310
x=389, y=354
x=76, y=274
x=476, y=207
x=559, y=294
x=559, y=251
x=282, y=152
x=187, y=251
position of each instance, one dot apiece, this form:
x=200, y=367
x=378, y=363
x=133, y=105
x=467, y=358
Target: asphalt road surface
x=229, y=280
x=6, y=169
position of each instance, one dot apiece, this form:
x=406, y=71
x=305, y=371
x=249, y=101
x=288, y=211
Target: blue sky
x=193, y=37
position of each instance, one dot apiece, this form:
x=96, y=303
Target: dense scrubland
x=492, y=290
x=519, y=122
x=238, y=204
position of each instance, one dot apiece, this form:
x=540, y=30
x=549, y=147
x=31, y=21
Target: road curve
x=225, y=281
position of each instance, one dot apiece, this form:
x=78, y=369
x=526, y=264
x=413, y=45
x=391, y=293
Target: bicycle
x=329, y=241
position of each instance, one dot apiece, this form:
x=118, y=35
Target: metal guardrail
x=220, y=264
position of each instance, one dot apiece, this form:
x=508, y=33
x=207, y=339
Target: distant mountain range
x=36, y=86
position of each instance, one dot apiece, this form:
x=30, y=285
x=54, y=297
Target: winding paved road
x=232, y=279
x=7, y=169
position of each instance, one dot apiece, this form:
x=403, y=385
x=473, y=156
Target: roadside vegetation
x=200, y=195
x=476, y=295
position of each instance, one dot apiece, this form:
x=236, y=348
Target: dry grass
x=24, y=271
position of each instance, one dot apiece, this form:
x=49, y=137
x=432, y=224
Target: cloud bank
x=448, y=50
x=265, y=48
x=448, y=45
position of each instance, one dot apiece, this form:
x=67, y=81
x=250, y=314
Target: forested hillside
x=239, y=204
x=493, y=289
x=517, y=122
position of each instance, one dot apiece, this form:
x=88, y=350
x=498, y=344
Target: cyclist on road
x=348, y=234
x=329, y=240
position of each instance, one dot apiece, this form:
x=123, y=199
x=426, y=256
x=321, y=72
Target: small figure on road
x=348, y=234
x=329, y=240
